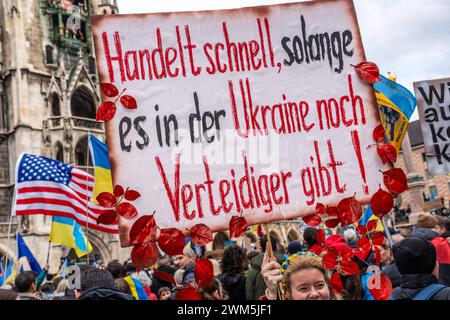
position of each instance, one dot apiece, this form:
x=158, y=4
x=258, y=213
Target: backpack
x=429, y=292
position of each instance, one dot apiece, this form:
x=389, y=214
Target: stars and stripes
x=49, y=187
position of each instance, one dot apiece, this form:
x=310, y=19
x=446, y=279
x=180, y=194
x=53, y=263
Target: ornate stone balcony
x=74, y=123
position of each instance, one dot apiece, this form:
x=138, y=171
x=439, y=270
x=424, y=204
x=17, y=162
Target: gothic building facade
x=48, y=99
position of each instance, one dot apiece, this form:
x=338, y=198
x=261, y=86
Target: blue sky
x=410, y=38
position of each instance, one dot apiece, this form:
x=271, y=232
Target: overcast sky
x=410, y=38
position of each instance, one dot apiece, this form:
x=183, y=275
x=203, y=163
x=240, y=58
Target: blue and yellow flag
x=24, y=251
x=396, y=104
x=10, y=274
x=103, y=179
x=67, y=232
x=137, y=290
x=368, y=216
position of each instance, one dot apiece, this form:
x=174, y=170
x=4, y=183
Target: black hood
x=424, y=233
x=105, y=294
x=446, y=234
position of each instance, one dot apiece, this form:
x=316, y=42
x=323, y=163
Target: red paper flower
x=108, y=218
x=336, y=282
x=109, y=90
x=132, y=195
x=368, y=72
x=387, y=152
x=340, y=260
x=332, y=212
x=320, y=245
x=164, y=276
x=370, y=241
x=127, y=210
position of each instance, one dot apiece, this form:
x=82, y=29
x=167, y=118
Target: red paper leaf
x=171, y=241
x=349, y=267
x=106, y=111
x=320, y=237
x=164, y=276
x=118, y=191
x=362, y=230
x=238, y=225
x=350, y=211
x=390, y=152
x=378, y=133
x=128, y=102
x=381, y=203
x=204, y=272
x=201, y=235
x=377, y=255
x=395, y=180
x=363, y=249
x=382, y=154
x=144, y=256
x=107, y=218
x=329, y=261
x=317, y=249
x=332, y=223
x=131, y=195
x=313, y=220
x=106, y=200
x=188, y=293
x=336, y=282
x=381, y=290
x=372, y=225
x=332, y=211
x=368, y=72
x=378, y=238
x=143, y=230
x=109, y=90
x=321, y=209
x=127, y=210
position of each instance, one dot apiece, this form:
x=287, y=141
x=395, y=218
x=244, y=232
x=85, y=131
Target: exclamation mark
x=357, y=147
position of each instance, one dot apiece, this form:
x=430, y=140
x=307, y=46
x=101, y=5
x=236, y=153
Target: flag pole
x=87, y=200
x=8, y=241
x=280, y=291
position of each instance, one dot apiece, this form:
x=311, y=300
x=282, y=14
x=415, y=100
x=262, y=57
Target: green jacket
x=255, y=287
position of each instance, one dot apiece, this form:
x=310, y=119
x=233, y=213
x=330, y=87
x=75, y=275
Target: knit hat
x=294, y=247
x=415, y=256
x=426, y=220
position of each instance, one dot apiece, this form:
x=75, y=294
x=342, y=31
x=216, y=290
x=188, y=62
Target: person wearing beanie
x=416, y=260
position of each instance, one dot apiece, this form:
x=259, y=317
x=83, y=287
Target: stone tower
x=48, y=100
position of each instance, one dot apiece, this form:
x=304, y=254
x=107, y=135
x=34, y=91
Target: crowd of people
x=418, y=267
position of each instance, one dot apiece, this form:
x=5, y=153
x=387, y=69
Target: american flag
x=49, y=187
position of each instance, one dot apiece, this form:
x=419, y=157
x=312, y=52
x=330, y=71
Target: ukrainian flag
x=396, y=104
x=67, y=232
x=103, y=179
x=137, y=290
x=368, y=216
x=10, y=274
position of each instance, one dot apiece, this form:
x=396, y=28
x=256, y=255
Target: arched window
x=82, y=104
x=91, y=65
x=49, y=59
x=83, y=158
x=56, y=109
x=59, y=152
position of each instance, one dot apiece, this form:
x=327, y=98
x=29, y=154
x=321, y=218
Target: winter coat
x=234, y=285
x=189, y=274
x=442, y=251
x=255, y=287
x=394, y=275
x=105, y=294
x=413, y=283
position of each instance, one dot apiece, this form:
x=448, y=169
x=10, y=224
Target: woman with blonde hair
x=304, y=279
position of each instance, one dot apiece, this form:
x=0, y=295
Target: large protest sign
x=256, y=110
x=433, y=103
